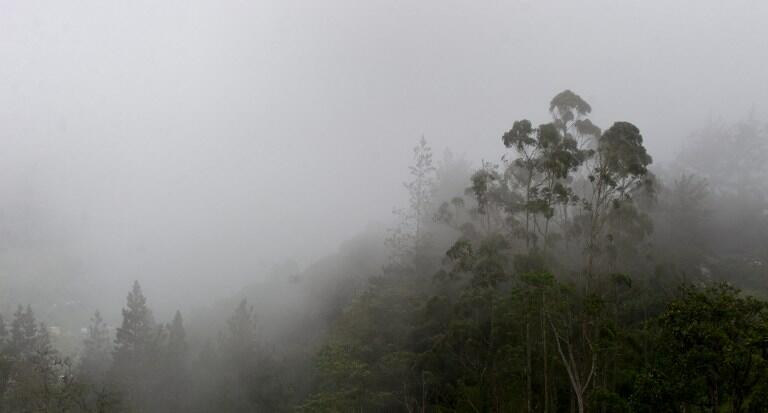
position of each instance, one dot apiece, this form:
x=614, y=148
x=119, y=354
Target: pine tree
x=240, y=340
x=176, y=365
x=25, y=333
x=3, y=332
x=135, y=348
x=177, y=339
x=96, y=357
x=32, y=365
x=133, y=336
x=5, y=362
x=20, y=324
x=239, y=359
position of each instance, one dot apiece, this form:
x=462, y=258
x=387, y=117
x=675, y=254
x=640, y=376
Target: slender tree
x=619, y=169
x=238, y=351
x=409, y=234
x=96, y=353
x=176, y=365
x=3, y=332
x=135, y=351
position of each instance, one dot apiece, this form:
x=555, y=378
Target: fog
x=204, y=148
x=202, y=142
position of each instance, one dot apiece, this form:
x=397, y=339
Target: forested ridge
x=570, y=274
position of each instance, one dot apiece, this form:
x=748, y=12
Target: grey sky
x=206, y=139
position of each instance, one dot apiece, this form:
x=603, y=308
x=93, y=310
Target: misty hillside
x=341, y=206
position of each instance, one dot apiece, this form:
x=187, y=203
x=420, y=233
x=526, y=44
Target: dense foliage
x=568, y=277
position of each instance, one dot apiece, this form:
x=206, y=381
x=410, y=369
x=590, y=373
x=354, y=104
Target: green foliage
x=520, y=136
x=96, y=357
x=36, y=378
x=549, y=286
x=568, y=106
x=712, y=353
x=622, y=152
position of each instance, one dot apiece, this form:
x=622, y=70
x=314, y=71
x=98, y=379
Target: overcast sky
x=208, y=138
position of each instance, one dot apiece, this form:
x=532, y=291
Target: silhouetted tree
x=136, y=352
x=409, y=234
x=238, y=349
x=177, y=380
x=96, y=357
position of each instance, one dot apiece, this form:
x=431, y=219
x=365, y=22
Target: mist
x=196, y=142
x=209, y=150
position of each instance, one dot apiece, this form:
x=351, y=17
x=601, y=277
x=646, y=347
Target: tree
x=134, y=335
x=344, y=384
x=686, y=209
x=618, y=170
x=177, y=341
x=26, y=336
x=488, y=192
x=533, y=291
x=712, y=354
x=525, y=140
x=251, y=375
x=547, y=157
x=420, y=188
x=5, y=361
x=475, y=356
x=37, y=378
x=731, y=158
x=238, y=349
x=409, y=233
x=576, y=321
x=240, y=340
x=176, y=380
x=3, y=332
x=96, y=357
x=136, y=351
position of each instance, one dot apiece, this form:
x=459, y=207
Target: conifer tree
x=177, y=340
x=95, y=358
x=135, y=348
x=33, y=366
x=133, y=336
x=27, y=337
x=238, y=351
x=3, y=332
x=176, y=365
x=5, y=361
x=240, y=340
x=22, y=330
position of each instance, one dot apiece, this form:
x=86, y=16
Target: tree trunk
x=580, y=402
x=528, y=367
x=544, y=353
